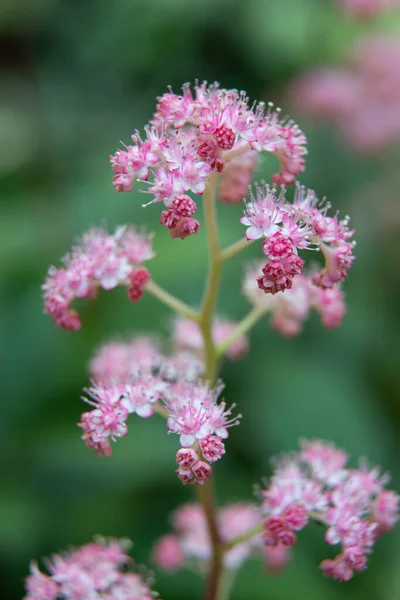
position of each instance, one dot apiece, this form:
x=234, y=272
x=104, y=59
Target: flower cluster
x=191, y=544
x=187, y=336
x=361, y=98
x=352, y=503
x=135, y=377
x=288, y=228
x=289, y=310
x=95, y=571
x=196, y=134
x=99, y=260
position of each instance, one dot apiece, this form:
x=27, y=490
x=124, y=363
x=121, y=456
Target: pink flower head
x=315, y=484
x=96, y=570
x=303, y=225
x=99, y=260
x=194, y=412
x=134, y=377
x=196, y=134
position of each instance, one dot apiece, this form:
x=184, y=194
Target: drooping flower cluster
x=99, y=260
x=361, y=98
x=190, y=544
x=315, y=484
x=289, y=310
x=196, y=134
x=135, y=377
x=187, y=336
x=288, y=228
x=95, y=571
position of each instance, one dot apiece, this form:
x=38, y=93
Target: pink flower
x=288, y=228
x=212, y=448
x=330, y=304
x=337, y=569
x=186, y=457
x=385, y=510
x=201, y=471
x=94, y=571
x=40, y=586
x=197, y=133
x=113, y=402
x=276, y=557
x=99, y=260
x=327, y=462
x=194, y=414
x=264, y=212
x=315, y=484
x=138, y=280
x=167, y=554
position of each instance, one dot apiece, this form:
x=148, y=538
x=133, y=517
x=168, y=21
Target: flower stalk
x=169, y=300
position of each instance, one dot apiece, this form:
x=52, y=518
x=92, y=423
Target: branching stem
x=177, y=305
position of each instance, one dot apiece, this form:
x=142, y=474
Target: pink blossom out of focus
x=187, y=335
x=315, y=484
x=190, y=542
x=367, y=9
x=362, y=97
x=93, y=571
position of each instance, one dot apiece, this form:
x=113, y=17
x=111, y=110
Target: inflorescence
x=136, y=378
x=95, y=571
x=196, y=134
x=197, y=139
x=316, y=485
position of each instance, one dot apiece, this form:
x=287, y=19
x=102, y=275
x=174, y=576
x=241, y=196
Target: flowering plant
x=207, y=142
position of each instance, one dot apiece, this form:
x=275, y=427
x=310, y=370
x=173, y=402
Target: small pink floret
x=168, y=554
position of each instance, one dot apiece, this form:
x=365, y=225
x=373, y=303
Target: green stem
x=206, y=492
x=233, y=249
x=228, y=579
x=166, y=298
x=243, y=327
x=244, y=537
x=213, y=281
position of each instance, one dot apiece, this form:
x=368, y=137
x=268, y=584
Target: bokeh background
x=77, y=77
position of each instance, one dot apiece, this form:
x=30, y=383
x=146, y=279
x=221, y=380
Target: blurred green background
x=77, y=76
